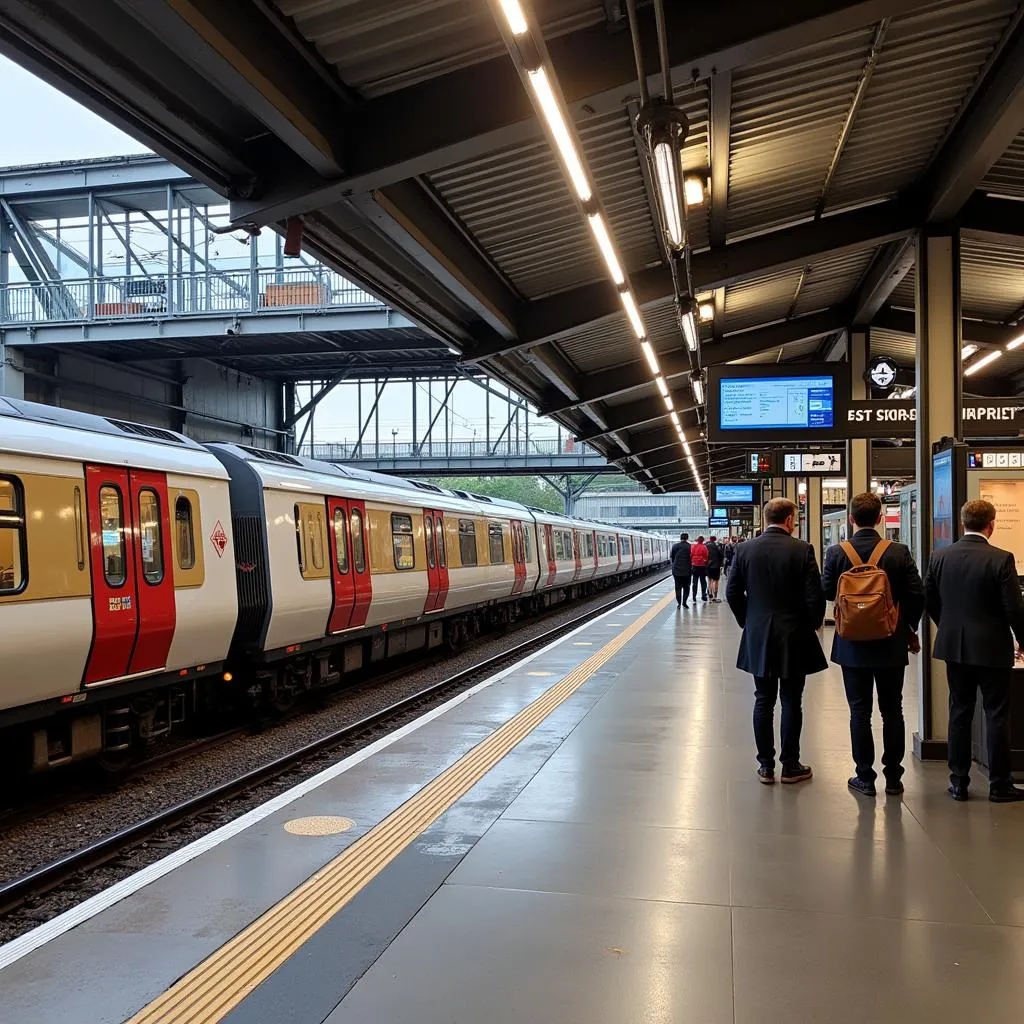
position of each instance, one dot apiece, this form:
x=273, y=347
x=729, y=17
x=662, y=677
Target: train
x=146, y=578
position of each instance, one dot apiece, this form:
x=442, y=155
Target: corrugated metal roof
x=901, y=347
x=1006, y=178
x=786, y=118
x=760, y=301
x=382, y=45
x=929, y=61
x=991, y=279
x=794, y=350
x=518, y=207
x=903, y=294
x=831, y=281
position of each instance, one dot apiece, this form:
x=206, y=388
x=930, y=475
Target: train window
x=112, y=531
x=315, y=537
x=12, y=537
x=340, y=541
x=184, y=531
x=588, y=541
x=467, y=542
x=495, y=544
x=558, y=544
x=401, y=539
x=428, y=539
x=151, y=537
x=79, y=531
x=358, y=541
x=442, y=554
x=526, y=543
x=298, y=539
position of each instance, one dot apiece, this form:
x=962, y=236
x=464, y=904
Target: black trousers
x=768, y=689
x=860, y=684
x=682, y=583
x=964, y=682
x=700, y=574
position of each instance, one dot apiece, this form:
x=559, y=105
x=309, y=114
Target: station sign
x=761, y=464
x=722, y=523
x=1003, y=459
x=897, y=418
x=813, y=463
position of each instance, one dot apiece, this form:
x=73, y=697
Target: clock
x=882, y=373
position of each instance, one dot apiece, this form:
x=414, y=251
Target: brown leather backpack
x=864, y=608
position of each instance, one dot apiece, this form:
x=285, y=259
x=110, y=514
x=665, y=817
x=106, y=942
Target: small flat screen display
x=777, y=403
x=719, y=513
x=943, y=533
x=734, y=494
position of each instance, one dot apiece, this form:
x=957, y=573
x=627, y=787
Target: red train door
x=433, y=575
x=593, y=540
x=549, y=540
x=518, y=557
x=360, y=552
x=576, y=545
x=342, y=571
x=441, y=558
x=154, y=571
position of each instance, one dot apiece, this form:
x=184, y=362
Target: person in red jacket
x=699, y=558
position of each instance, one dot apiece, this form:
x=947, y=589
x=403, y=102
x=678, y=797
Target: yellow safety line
x=211, y=990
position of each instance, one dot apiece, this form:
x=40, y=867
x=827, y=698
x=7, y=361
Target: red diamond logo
x=219, y=539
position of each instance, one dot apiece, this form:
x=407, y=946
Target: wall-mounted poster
x=1007, y=494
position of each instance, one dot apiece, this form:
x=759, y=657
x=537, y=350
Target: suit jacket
x=680, y=555
x=973, y=596
x=907, y=592
x=775, y=593
x=716, y=555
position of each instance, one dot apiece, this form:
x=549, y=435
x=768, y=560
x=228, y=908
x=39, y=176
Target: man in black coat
x=774, y=591
x=716, y=556
x=868, y=664
x=681, y=569
x=973, y=597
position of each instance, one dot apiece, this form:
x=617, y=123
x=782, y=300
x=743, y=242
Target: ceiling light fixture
x=663, y=129
x=634, y=314
x=967, y=351
x=1016, y=343
x=604, y=243
x=651, y=356
x=662, y=386
x=982, y=362
x=675, y=420
x=698, y=388
x=688, y=325
x=668, y=402
x=706, y=312
x=693, y=187
x=517, y=23
x=560, y=132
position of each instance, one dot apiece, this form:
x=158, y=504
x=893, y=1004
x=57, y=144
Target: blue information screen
x=942, y=500
x=774, y=403
x=719, y=513
x=734, y=494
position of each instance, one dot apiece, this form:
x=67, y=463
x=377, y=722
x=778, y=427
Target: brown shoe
x=796, y=773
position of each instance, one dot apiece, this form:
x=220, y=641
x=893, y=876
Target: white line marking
x=50, y=930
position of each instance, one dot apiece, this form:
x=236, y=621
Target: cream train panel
x=43, y=649
x=300, y=608
x=397, y=595
x=205, y=616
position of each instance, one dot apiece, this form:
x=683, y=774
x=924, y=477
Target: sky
x=44, y=125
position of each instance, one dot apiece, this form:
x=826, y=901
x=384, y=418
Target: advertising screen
x=777, y=403
x=734, y=494
x=1007, y=494
x=943, y=531
x=720, y=513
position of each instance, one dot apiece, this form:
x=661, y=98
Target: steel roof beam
x=447, y=120
x=990, y=120
x=645, y=410
x=568, y=311
x=978, y=332
x=1000, y=220
x=720, y=135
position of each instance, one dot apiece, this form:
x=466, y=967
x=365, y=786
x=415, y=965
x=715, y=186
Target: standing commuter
x=681, y=569
x=973, y=596
x=730, y=553
x=774, y=591
x=873, y=656
x=699, y=559
x=716, y=556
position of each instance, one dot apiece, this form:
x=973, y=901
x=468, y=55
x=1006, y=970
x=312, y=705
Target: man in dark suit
x=774, y=591
x=973, y=597
x=681, y=569
x=870, y=664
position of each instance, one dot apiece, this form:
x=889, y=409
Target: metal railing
x=186, y=294
x=388, y=451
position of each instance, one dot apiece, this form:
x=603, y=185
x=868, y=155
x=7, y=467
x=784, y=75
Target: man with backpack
x=879, y=600
x=699, y=560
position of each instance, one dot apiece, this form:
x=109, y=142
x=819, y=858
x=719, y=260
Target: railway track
x=158, y=830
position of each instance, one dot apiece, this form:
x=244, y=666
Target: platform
x=580, y=839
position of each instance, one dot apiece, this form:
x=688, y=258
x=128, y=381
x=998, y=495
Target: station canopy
x=403, y=140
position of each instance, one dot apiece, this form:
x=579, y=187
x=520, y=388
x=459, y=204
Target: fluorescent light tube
x=698, y=390
x=517, y=24
x=967, y=351
x=662, y=386
x=604, y=243
x=668, y=192
x=689, y=326
x=982, y=362
x=668, y=402
x=651, y=356
x=706, y=311
x=634, y=314
x=560, y=131
x=1016, y=343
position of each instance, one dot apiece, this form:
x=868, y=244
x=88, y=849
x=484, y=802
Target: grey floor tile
x=490, y=955
x=674, y=865
x=819, y=968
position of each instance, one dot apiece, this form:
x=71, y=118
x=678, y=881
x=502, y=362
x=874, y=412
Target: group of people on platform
x=700, y=564
x=971, y=592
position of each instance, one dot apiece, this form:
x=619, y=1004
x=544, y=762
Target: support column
x=812, y=518
x=939, y=398
x=858, y=452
